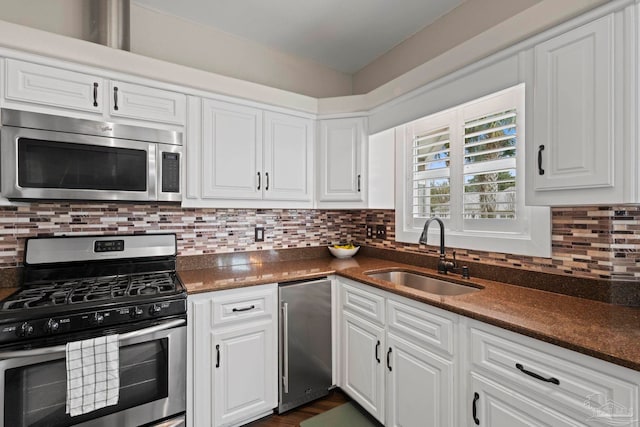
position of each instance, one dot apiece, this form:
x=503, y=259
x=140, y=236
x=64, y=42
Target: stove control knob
x=25, y=330
x=52, y=326
x=98, y=318
x=155, y=309
x=136, y=312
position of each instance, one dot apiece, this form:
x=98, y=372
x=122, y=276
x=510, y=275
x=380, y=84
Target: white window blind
x=466, y=166
x=431, y=186
x=490, y=166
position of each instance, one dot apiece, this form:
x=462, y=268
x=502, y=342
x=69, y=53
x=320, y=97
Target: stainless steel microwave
x=52, y=157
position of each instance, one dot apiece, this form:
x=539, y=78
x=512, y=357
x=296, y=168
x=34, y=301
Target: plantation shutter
x=431, y=161
x=489, y=165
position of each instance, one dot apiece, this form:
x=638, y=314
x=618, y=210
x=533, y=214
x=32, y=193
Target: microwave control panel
x=170, y=172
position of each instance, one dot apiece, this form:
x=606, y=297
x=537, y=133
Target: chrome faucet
x=443, y=264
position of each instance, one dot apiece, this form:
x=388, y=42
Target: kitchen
x=590, y=252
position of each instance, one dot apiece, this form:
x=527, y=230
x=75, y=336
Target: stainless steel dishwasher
x=305, y=342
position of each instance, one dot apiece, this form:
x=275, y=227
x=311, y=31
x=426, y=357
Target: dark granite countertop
x=606, y=331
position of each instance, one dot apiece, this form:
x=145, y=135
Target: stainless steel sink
x=423, y=283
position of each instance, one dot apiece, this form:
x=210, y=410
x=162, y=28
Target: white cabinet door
x=498, y=406
x=288, y=156
x=55, y=87
x=245, y=373
x=342, y=175
x=146, y=103
x=363, y=370
x=419, y=386
x=231, y=151
x=574, y=142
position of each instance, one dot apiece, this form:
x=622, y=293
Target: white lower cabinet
x=516, y=381
x=419, y=385
x=243, y=386
x=363, y=373
x=498, y=406
x=411, y=364
x=232, y=357
x=397, y=369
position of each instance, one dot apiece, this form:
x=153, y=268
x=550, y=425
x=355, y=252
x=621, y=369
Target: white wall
x=177, y=40
x=462, y=24
x=67, y=17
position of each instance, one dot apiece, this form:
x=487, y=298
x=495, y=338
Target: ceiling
x=345, y=35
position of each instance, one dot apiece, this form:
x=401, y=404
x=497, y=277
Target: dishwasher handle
x=285, y=346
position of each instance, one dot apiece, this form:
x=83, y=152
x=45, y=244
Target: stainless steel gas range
x=75, y=290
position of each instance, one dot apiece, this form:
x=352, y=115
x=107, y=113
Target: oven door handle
x=63, y=348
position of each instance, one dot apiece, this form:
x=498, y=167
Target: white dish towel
x=93, y=374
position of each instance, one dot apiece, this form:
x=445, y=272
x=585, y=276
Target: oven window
x=35, y=395
x=48, y=164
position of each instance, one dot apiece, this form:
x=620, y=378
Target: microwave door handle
x=63, y=348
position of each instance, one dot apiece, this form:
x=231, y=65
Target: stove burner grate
x=90, y=290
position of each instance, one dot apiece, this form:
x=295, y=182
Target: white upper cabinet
x=146, y=103
x=53, y=90
x=231, y=151
x=341, y=163
x=242, y=156
x=288, y=156
x=576, y=153
x=39, y=84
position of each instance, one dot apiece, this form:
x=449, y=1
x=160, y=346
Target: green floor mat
x=346, y=415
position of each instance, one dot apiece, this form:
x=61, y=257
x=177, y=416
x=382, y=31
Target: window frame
x=529, y=234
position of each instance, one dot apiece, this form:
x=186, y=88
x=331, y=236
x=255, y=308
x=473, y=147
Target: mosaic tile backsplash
x=594, y=242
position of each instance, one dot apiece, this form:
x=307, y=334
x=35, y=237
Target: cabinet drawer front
x=40, y=84
x=363, y=303
x=242, y=306
x=422, y=326
x=580, y=387
x=147, y=103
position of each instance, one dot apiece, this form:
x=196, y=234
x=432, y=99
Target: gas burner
x=98, y=289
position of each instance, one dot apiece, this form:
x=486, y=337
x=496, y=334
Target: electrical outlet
x=369, y=231
x=259, y=234
x=381, y=231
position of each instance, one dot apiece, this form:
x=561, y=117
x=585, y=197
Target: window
x=466, y=166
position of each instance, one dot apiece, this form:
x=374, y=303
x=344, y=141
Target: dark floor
x=294, y=417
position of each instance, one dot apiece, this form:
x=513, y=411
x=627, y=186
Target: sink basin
x=423, y=283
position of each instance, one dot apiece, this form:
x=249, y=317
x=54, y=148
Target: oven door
x=39, y=164
x=152, y=382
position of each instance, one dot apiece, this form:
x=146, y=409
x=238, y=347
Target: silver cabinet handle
x=285, y=345
x=63, y=348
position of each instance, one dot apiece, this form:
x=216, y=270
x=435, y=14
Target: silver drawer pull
x=251, y=307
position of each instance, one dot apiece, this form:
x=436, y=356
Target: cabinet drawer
x=40, y=84
x=421, y=326
x=579, y=383
x=239, y=305
x=363, y=303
